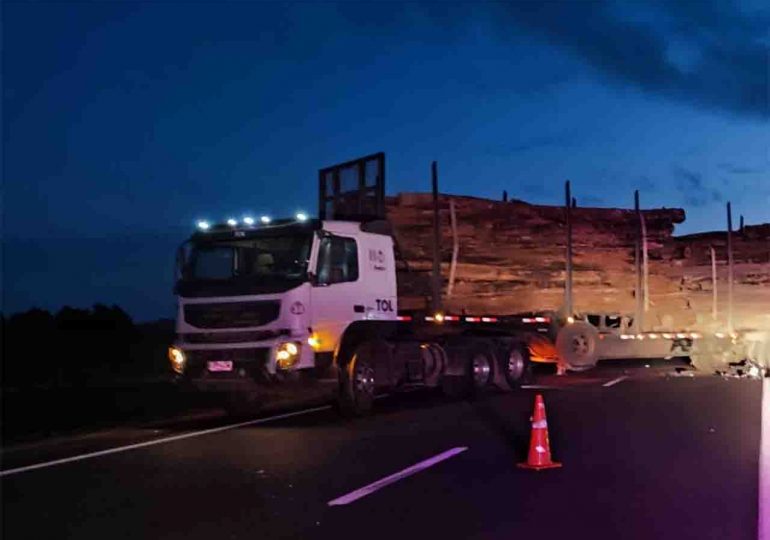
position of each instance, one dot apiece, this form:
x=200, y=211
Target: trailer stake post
x=436, y=281
x=568, y=307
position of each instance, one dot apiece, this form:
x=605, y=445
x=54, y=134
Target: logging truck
x=272, y=307
x=267, y=307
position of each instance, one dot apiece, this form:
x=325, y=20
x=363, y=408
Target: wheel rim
x=481, y=370
x=515, y=365
x=364, y=380
x=580, y=345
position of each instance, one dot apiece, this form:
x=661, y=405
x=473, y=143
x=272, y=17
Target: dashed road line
x=164, y=440
x=613, y=382
x=409, y=471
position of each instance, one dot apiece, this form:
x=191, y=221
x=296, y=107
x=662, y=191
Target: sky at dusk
x=124, y=123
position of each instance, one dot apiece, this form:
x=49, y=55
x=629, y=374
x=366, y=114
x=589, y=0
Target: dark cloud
x=694, y=189
x=705, y=53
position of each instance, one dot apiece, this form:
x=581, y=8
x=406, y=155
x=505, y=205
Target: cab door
x=337, y=295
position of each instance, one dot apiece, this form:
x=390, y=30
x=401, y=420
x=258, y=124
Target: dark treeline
x=79, y=347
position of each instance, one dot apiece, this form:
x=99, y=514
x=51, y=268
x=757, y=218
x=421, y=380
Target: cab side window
x=337, y=260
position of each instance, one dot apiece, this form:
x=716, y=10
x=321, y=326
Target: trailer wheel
x=516, y=365
x=357, y=381
x=576, y=345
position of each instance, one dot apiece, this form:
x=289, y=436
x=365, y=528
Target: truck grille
x=231, y=314
x=232, y=337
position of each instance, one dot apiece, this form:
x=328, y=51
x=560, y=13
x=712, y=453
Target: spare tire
x=576, y=345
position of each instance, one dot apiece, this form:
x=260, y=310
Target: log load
x=511, y=258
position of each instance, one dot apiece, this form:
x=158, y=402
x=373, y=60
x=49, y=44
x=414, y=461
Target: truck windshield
x=267, y=258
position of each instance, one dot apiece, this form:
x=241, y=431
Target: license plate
x=221, y=365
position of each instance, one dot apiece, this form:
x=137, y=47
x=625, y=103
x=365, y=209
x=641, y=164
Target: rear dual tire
x=484, y=365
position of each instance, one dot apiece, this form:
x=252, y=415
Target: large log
x=512, y=257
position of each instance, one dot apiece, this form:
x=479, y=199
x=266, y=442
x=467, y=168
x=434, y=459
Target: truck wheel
x=576, y=345
x=516, y=367
x=482, y=366
x=357, y=382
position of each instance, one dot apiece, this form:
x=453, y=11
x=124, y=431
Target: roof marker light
x=203, y=225
x=232, y=222
x=248, y=220
x=301, y=216
x=265, y=219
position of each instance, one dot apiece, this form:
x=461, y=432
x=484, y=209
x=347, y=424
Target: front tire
x=358, y=383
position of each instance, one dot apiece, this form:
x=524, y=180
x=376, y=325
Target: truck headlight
x=177, y=359
x=287, y=354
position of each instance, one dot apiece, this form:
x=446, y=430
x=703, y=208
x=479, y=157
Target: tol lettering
x=384, y=305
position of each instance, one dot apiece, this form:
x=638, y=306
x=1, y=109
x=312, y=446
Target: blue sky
x=127, y=121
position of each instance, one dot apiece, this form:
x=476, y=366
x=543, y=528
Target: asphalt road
x=649, y=456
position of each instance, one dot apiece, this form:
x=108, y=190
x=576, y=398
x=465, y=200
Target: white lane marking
x=613, y=382
x=409, y=471
x=764, y=464
x=164, y=440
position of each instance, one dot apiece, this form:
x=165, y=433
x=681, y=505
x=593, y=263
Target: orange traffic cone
x=539, y=448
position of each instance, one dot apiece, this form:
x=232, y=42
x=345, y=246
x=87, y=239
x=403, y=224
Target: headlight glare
x=287, y=354
x=177, y=359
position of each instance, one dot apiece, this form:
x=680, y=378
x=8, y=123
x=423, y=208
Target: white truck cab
x=290, y=290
